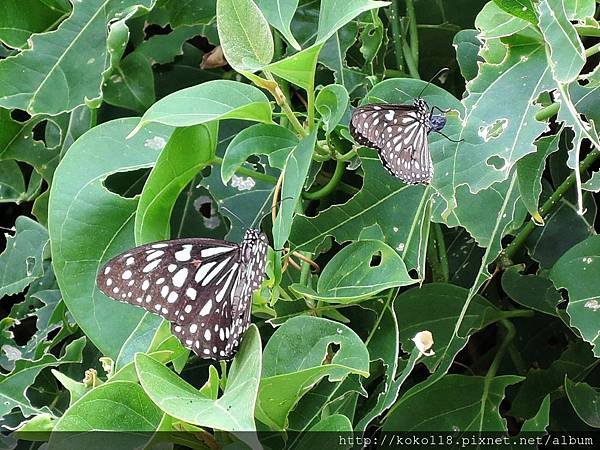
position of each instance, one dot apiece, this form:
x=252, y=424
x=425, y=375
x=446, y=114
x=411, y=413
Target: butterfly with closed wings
x=399, y=134
x=203, y=287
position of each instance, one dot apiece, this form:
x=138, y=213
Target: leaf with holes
x=360, y=270
x=578, y=272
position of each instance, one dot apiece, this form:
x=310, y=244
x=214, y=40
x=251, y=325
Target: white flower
x=424, y=341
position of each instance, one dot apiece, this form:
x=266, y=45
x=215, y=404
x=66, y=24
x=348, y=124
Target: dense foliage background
x=242, y=101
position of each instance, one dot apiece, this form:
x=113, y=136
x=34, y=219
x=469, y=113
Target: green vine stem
x=436, y=254
x=546, y=209
x=394, y=18
x=281, y=100
x=547, y=112
x=413, y=32
x=592, y=50
x=331, y=184
x=248, y=172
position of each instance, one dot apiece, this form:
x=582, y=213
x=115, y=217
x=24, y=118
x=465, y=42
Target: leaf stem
x=413, y=32
x=281, y=100
x=410, y=63
x=331, y=184
x=592, y=50
x=440, y=252
x=248, y=172
x=394, y=19
x=547, y=208
x=510, y=334
x=433, y=258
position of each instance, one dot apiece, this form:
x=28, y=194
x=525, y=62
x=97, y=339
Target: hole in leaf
x=19, y=115
x=332, y=349
x=127, y=184
x=496, y=161
x=375, y=260
x=204, y=205
x=494, y=130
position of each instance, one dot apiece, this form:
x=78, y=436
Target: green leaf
x=260, y=139
x=333, y=56
x=332, y=103
x=575, y=363
x=70, y=60
x=164, y=48
x=213, y=100
x=578, y=271
x=461, y=403
x=493, y=139
x=80, y=208
x=376, y=205
x=530, y=169
x=19, y=19
x=567, y=55
x=186, y=153
x=354, y=273
x=435, y=307
x=326, y=431
x=579, y=9
x=294, y=176
x=131, y=84
x=494, y=22
x=294, y=363
x=541, y=420
x=585, y=400
x=189, y=12
x=593, y=184
x=279, y=13
x=532, y=291
x=121, y=407
x=245, y=35
x=13, y=386
x=12, y=183
x=519, y=8
x=334, y=14
x=75, y=388
x=299, y=68
x=467, y=46
x=233, y=411
x=21, y=261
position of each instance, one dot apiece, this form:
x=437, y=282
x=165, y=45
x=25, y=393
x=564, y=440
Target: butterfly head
x=255, y=244
x=436, y=122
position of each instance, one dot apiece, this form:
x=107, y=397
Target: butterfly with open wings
x=203, y=287
x=399, y=134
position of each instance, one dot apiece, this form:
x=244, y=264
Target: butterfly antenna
x=439, y=72
x=225, y=208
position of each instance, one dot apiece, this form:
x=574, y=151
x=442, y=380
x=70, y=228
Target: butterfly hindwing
x=399, y=133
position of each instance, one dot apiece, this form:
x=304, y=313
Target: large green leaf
x=233, y=411
x=213, y=100
x=21, y=261
x=131, y=84
x=360, y=270
x=245, y=35
x=519, y=8
x=494, y=22
x=567, y=55
x=13, y=386
x=578, y=271
x=532, y=291
x=279, y=13
x=461, y=404
x=294, y=362
x=88, y=224
x=493, y=139
x=121, y=407
x=188, y=151
x=64, y=69
x=334, y=14
x=294, y=176
x=584, y=400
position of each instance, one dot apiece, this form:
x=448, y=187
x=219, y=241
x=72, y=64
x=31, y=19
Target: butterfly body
x=399, y=133
x=203, y=287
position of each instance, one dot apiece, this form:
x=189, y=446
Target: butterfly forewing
x=399, y=133
x=190, y=282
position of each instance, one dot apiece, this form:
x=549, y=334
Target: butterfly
x=399, y=133
x=203, y=287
